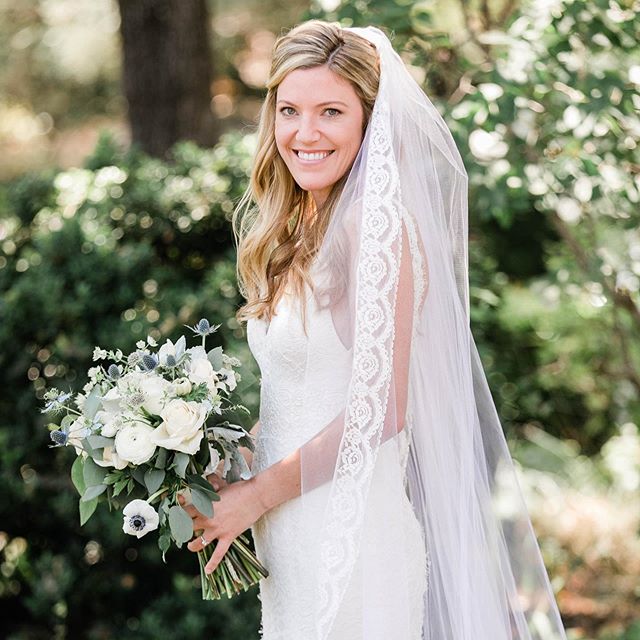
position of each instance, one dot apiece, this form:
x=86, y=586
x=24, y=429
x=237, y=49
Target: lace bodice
x=296, y=370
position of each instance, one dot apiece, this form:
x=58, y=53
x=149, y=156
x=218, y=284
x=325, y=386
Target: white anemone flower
x=139, y=518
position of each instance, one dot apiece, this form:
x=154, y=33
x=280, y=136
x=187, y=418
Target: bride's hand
x=216, y=479
x=238, y=508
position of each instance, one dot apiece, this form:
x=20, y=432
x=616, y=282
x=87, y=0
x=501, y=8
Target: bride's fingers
x=218, y=553
x=197, y=545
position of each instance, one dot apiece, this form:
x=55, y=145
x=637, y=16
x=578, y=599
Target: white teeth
x=313, y=156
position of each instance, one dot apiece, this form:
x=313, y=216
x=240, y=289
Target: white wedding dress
x=393, y=560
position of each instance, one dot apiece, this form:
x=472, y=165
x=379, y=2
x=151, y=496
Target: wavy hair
x=277, y=227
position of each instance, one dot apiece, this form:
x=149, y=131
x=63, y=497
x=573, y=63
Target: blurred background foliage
x=102, y=244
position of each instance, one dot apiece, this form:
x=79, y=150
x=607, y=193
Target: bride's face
x=317, y=113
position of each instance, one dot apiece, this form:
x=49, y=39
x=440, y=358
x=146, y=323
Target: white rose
x=134, y=442
x=181, y=429
x=155, y=389
x=139, y=518
x=200, y=370
x=111, y=459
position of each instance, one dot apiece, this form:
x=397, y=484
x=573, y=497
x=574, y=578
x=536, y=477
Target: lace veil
x=392, y=271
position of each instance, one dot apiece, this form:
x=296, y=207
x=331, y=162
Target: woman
x=383, y=499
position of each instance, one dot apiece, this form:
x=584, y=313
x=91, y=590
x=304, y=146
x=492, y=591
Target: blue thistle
x=149, y=362
x=203, y=328
x=171, y=361
x=113, y=372
x=59, y=438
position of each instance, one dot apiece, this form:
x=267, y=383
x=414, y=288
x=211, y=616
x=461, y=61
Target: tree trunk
x=167, y=72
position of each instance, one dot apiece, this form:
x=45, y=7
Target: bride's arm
x=282, y=481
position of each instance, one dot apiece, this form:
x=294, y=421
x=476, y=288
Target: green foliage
x=105, y=255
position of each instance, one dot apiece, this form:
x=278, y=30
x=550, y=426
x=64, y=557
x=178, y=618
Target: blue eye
x=283, y=109
x=337, y=112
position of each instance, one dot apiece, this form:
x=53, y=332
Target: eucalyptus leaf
x=77, y=475
x=153, y=479
x=138, y=475
x=87, y=509
x=164, y=542
x=93, y=474
x=203, y=485
x=181, y=524
x=93, y=402
x=100, y=442
x=201, y=501
x=161, y=459
x=180, y=462
x=93, y=492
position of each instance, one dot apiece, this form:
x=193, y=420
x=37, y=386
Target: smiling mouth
x=312, y=157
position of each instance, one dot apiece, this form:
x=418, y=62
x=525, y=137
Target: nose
x=307, y=130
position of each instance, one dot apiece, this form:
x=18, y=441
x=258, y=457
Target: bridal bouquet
x=141, y=429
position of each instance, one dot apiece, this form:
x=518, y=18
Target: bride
x=383, y=498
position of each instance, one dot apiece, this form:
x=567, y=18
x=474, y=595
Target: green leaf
x=180, y=462
x=87, y=509
x=164, y=542
x=201, y=501
x=77, y=476
x=100, y=442
x=93, y=474
x=181, y=524
x=153, y=479
x=93, y=492
x=119, y=486
x=161, y=460
x=203, y=485
x=138, y=475
x=92, y=403
x=67, y=421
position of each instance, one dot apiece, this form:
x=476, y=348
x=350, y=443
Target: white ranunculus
x=200, y=370
x=139, y=518
x=181, y=386
x=181, y=428
x=110, y=458
x=134, y=442
x=110, y=423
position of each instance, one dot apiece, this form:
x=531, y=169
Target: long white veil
x=392, y=271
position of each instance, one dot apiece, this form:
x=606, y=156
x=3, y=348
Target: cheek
x=282, y=136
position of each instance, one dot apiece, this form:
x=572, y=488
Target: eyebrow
x=321, y=104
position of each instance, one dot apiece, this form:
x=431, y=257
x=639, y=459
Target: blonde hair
x=277, y=227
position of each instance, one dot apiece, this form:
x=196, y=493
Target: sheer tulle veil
x=417, y=392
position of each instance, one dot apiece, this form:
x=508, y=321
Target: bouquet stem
x=238, y=570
